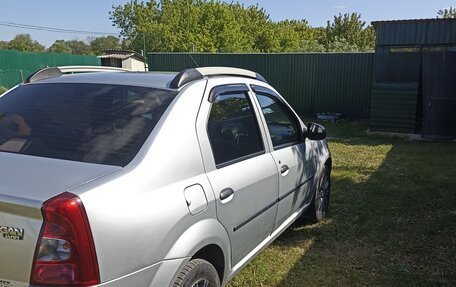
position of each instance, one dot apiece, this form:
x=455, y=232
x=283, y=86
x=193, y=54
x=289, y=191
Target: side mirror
x=315, y=132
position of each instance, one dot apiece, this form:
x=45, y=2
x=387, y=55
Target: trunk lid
x=25, y=183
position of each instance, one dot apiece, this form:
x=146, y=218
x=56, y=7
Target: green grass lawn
x=392, y=220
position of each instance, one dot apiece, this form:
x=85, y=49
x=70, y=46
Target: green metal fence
x=16, y=66
x=311, y=82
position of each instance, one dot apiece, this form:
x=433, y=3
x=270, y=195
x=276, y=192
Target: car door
x=238, y=164
x=291, y=152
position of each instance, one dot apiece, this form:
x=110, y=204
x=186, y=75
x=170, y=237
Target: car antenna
x=193, y=45
x=191, y=57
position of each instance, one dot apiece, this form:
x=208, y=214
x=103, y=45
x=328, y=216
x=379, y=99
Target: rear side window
x=95, y=123
x=282, y=125
x=233, y=129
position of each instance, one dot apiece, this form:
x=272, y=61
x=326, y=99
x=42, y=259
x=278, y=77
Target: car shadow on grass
x=392, y=220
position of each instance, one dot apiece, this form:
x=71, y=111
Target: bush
x=3, y=89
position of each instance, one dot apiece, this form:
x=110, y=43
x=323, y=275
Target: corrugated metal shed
x=120, y=54
x=416, y=32
x=439, y=93
x=393, y=107
x=414, y=71
x=311, y=82
x=395, y=89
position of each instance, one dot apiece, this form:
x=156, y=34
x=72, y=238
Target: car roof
x=141, y=79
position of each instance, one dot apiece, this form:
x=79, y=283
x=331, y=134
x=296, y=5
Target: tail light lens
x=65, y=253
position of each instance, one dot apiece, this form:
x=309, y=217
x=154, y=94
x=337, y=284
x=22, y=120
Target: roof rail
x=53, y=72
x=88, y=69
x=193, y=74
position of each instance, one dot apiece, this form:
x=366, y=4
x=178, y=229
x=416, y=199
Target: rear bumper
x=161, y=274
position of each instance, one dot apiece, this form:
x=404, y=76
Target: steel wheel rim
x=201, y=283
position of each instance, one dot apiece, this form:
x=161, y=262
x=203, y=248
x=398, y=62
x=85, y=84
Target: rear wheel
x=320, y=204
x=198, y=273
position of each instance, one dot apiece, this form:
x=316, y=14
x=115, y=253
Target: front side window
x=282, y=125
x=233, y=129
x=95, y=123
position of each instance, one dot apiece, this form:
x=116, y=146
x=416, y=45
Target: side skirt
x=268, y=240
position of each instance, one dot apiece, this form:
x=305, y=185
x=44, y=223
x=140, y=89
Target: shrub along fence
x=311, y=82
x=16, y=66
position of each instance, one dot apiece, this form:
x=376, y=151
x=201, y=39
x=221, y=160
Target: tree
x=79, y=47
x=216, y=26
x=179, y=25
x=341, y=45
x=208, y=26
x=349, y=31
x=3, y=45
x=314, y=43
x=449, y=13
x=298, y=36
x=60, y=46
x=25, y=43
x=100, y=44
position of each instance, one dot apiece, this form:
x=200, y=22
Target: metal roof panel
x=416, y=32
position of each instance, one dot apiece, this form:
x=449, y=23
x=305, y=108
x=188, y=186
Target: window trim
x=260, y=90
x=282, y=146
x=226, y=89
x=239, y=159
x=232, y=89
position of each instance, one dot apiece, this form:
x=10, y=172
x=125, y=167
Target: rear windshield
x=95, y=123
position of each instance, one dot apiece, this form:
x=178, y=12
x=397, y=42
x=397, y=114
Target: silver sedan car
x=115, y=178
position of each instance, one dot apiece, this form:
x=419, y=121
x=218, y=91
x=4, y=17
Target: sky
x=92, y=15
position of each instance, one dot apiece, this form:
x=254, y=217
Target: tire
x=319, y=207
x=198, y=273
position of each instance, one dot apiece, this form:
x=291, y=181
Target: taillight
x=65, y=252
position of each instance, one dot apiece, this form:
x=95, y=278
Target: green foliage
x=229, y=107
x=3, y=45
x=96, y=46
x=180, y=25
x=215, y=26
x=24, y=43
x=348, y=33
x=291, y=35
x=79, y=47
x=449, y=13
x=100, y=44
x=2, y=89
x=60, y=46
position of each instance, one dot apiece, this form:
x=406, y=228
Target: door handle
x=284, y=169
x=226, y=193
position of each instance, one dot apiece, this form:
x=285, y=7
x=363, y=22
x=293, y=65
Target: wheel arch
x=209, y=241
x=328, y=164
x=213, y=254
x=323, y=156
